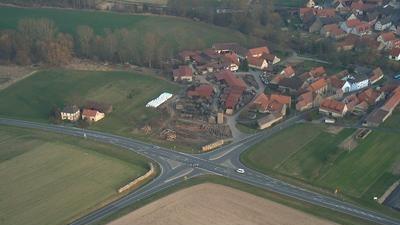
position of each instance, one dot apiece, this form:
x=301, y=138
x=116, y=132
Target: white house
x=383, y=24
x=355, y=82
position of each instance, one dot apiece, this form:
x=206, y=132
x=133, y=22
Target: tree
x=151, y=43
x=84, y=40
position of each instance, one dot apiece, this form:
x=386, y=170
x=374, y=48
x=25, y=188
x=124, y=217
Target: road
x=189, y=166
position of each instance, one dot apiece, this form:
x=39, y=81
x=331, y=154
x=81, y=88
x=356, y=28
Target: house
x=318, y=87
x=183, y=73
x=71, y=113
x=383, y=24
x=376, y=75
x=271, y=59
x=319, y=22
x=378, y=116
x=291, y=85
x=370, y=96
x=272, y=103
x=386, y=40
x=325, y=13
x=355, y=26
x=333, y=108
x=395, y=54
x=348, y=43
x=269, y=120
x=336, y=86
x=232, y=60
x=92, y=115
x=223, y=48
x=288, y=72
x=355, y=82
x=257, y=63
x=203, y=91
x=351, y=101
x=333, y=31
x=233, y=92
x=258, y=52
x=305, y=101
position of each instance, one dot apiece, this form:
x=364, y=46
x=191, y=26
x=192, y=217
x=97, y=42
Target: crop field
x=310, y=154
x=51, y=179
x=178, y=32
x=34, y=97
x=216, y=204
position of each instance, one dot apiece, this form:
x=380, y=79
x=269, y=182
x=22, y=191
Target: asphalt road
x=186, y=166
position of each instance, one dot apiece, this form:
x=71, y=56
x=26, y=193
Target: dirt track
x=215, y=204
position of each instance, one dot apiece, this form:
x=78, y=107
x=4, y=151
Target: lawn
x=394, y=120
x=34, y=97
x=179, y=32
x=310, y=154
x=51, y=179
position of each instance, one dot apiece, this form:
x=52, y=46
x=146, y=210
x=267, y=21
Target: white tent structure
x=160, y=100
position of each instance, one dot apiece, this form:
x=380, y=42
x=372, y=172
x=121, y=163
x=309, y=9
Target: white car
x=240, y=171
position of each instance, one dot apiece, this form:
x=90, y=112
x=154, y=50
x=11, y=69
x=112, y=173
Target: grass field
x=34, y=97
x=310, y=154
x=51, y=179
x=179, y=32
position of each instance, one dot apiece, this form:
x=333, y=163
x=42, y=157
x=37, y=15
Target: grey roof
x=70, y=109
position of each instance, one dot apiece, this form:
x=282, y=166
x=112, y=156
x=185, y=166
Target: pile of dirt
x=215, y=204
x=333, y=129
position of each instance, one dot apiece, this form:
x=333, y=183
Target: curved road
x=176, y=166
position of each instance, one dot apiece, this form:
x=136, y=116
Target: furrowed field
x=128, y=93
x=178, y=32
x=52, y=179
x=313, y=155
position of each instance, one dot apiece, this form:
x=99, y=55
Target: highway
x=175, y=167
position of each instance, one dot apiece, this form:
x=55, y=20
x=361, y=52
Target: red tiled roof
x=369, y=95
x=318, y=85
x=255, y=61
x=303, y=11
x=333, y=105
x=393, y=101
x=395, y=52
x=232, y=57
x=353, y=22
x=89, y=113
x=231, y=80
x=259, y=51
x=204, y=91
x=183, y=71
x=318, y=71
x=388, y=36
x=273, y=102
x=288, y=71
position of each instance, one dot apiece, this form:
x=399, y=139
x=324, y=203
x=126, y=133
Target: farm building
x=155, y=103
x=333, y=108
x=71, y=113
x=92, y=115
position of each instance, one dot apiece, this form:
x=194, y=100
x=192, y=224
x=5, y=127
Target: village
x=229, y=90
x=373, y=23
x=227, y=86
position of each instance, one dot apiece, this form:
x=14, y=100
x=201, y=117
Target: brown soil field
x=206, y=204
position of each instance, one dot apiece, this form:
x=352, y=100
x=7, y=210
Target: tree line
x=39, y=41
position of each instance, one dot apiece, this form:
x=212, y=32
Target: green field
x=179, y=32
x=310, y=154
x=34, y=97
x=51, y=179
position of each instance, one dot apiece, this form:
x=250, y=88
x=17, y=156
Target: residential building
x=92, y=115
x=272, y=103
x=333, y=108
x=258, y=52
x=205, y=91
x=71, y=113
x=257, y=63
x=318, y=87
x=305, y=101
x=183, y=73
